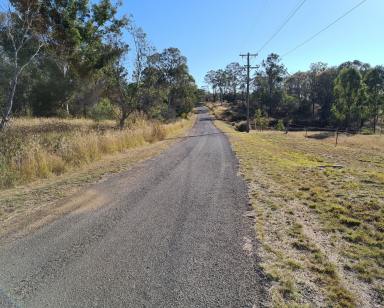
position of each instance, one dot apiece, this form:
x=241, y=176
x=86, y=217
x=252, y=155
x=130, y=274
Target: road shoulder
x=29, y=207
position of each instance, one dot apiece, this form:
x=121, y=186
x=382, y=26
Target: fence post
x=337, y=136
x=286, y=128
x=306, y=132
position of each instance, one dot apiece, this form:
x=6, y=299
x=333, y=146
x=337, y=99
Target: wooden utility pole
x=248, y=66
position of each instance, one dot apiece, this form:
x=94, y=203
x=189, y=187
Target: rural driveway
x=170, y=232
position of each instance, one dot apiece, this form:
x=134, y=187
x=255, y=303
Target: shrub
x=103, y=110
x=157, y=133
x=261, y=122
x=280, y=125
x=241, y=126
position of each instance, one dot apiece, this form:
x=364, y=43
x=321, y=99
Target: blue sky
x=212, y=33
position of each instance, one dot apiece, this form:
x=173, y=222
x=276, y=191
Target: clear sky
x=212, y=33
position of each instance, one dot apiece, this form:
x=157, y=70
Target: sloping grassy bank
x=319, y=215
x=41, y=148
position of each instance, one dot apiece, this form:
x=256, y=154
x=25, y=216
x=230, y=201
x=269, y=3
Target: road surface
x=170, y=232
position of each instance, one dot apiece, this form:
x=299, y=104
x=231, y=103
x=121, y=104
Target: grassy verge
x=319, y=215
x=41, y=148
x=22, y=204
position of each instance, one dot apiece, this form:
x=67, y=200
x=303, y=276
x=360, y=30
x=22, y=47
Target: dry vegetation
x=217, y=109
x=23, y=205
x=319, y=214
x=42, y=148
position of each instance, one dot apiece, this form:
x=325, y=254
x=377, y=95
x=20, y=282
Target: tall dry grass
x=39, y=148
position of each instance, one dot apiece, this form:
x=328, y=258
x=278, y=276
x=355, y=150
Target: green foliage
x=319, y=97
x=280, y=125
x=273, y=72
x=81, y=69
x=103, y=110
x=167, y=78
x=261, y=122
x=349, y=93
x=374, y=80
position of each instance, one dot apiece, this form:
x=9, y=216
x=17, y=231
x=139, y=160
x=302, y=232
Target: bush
x=280, y=125
x=157, y=133
x=103, y=110
x=261, y=122
x=241, y=126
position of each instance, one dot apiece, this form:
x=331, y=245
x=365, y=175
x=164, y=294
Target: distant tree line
x=68, y=58
x=349, y=96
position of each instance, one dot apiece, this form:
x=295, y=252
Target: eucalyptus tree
x=360, y=66
x=315, y=70
x=77, y=36
x=120, y=92
x=210, y=80
x=168, y=75
x=325, y=93
x=142, y=50
x=85, y=38
x=221, y=82
x=274, y=72
x=374, y=81
x=124, y=87
x=297, y=85
x=348, y=91
x=234, y=73
x=20, y=43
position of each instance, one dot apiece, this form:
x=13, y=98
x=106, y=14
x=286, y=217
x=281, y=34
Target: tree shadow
x=321, y=135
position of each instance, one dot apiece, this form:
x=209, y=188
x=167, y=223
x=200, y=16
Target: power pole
x=248, y=66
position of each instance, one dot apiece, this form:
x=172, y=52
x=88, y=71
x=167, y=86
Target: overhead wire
x=281, y=27
x=325, y=28
x=261, y=11
x=256, y=20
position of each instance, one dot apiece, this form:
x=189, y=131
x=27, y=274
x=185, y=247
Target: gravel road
x=170, y=232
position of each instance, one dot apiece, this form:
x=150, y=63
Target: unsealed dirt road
x=170, y=232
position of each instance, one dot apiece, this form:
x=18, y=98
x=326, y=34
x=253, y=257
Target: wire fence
x=308, y=129
x=295, y=127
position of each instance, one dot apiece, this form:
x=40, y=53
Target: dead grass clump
x=157, y=132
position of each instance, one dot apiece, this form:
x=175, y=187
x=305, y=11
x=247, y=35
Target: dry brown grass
x=45, y=125
x=319, y=215
x=373, y=142
x=217, y=109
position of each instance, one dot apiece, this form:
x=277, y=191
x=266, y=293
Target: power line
x=324, y=29
x=261, y=11
x=289, y=17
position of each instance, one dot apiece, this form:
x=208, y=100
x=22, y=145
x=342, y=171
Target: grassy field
x=41, y=148
x=319, y=215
